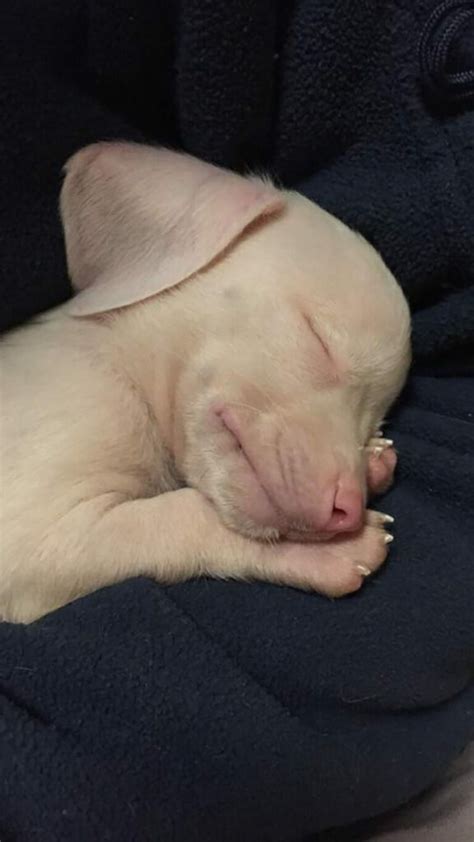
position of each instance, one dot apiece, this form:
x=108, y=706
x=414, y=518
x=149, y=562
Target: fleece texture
x=219, y=712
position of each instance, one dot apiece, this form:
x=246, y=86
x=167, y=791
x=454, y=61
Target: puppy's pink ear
x=138, y=220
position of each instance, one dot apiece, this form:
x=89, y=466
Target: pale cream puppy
x=206, y=404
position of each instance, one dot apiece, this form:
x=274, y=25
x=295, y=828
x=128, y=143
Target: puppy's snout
x=292, y=483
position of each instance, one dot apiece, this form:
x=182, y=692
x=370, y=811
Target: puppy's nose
x=348, y=509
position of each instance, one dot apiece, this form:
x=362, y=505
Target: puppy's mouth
x=251, y=509
x=252, y=499
x=273, y=479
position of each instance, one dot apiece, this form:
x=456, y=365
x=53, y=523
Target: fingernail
x=388, y=538
x=388, y=519
x=386, y=442
x=363, y=570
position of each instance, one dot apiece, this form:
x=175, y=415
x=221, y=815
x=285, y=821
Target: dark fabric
x=443, y=812
x=216, y=712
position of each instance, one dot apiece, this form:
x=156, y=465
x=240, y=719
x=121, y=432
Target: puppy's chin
x=241, y=522
x=235, y=517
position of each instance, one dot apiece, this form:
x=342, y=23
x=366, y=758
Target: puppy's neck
x=155, y=343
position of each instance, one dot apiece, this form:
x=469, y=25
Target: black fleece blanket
x=216, y=712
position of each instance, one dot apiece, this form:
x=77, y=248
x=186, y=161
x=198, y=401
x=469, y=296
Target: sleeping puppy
x=209, y=403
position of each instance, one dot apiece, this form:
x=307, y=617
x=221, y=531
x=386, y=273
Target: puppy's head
x=307, y=348
x=302, y=334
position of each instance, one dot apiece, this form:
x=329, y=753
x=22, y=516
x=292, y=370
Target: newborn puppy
x=209, y=402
